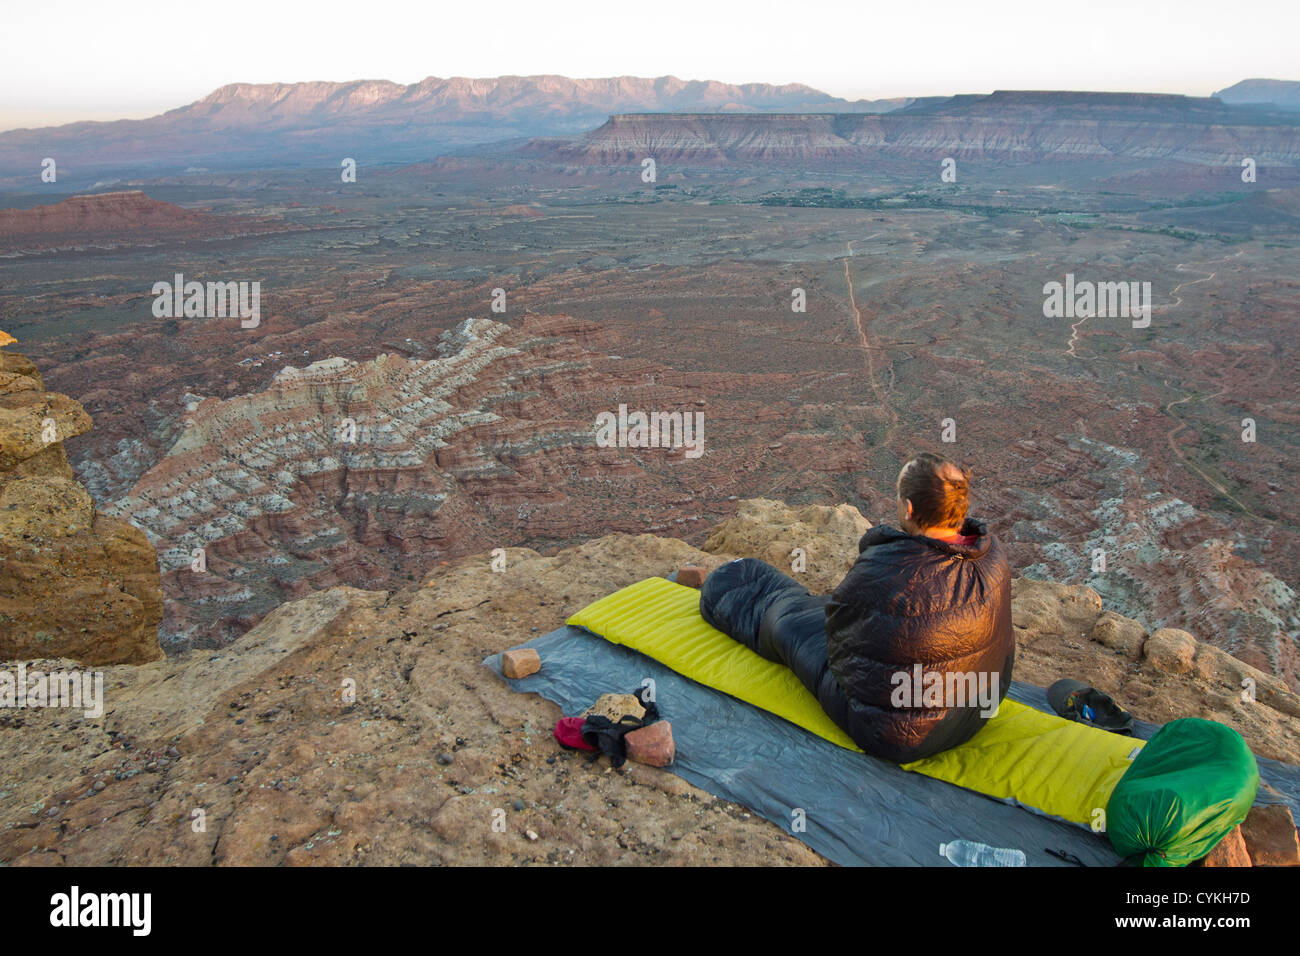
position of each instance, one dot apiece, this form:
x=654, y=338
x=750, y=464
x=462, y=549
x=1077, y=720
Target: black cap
x=1068, y=697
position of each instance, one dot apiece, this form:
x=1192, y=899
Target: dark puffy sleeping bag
x=907, y=599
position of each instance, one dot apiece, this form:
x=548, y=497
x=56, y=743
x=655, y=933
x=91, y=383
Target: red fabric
x=568, y=731
x=966, y=540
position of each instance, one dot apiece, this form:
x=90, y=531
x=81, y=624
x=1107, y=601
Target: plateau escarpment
x=1006, y=126
x=242, y=125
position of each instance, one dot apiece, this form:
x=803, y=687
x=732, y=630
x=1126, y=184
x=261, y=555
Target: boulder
x=31, y=420
x=1219, y=667
x=824, y=538
x=1171, y=650
x=1119, y=633
x=1046, y=609
x=1270, y=836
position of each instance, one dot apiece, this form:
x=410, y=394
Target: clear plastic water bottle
x=969, y=853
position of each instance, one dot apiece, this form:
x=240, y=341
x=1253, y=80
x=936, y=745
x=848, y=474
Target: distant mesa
x=1280, y=94
x=126, y=210
x=114, y=218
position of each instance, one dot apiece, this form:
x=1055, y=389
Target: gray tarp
x=858, y=810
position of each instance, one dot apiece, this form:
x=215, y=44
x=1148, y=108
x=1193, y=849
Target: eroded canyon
x=1153, y=464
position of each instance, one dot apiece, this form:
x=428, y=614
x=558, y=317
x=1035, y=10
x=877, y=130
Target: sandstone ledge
x=74, y=583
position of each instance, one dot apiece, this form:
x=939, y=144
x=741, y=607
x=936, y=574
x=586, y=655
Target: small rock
x=98, y=785
x=551, y=759
x=518, y=804
x=1230, y=851
x=1270, y=836
x=1171, y=650
x=652, y=745
x=520, y=663
x=445, y=759
x=531, y=835
x=691, y=576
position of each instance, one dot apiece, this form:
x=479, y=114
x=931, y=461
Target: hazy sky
x=91, y=59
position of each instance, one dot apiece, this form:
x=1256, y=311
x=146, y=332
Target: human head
x=933, y=494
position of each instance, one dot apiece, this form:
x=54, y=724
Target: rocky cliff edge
x=252, y=755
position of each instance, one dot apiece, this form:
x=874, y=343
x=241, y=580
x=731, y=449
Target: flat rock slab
x=615, y=707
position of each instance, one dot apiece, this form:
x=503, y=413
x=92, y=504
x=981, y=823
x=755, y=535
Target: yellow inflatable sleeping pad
x=1040, y=761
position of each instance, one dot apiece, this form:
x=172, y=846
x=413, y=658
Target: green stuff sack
x=1192, y=783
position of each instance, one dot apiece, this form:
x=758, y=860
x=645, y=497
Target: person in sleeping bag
x=913, y=651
